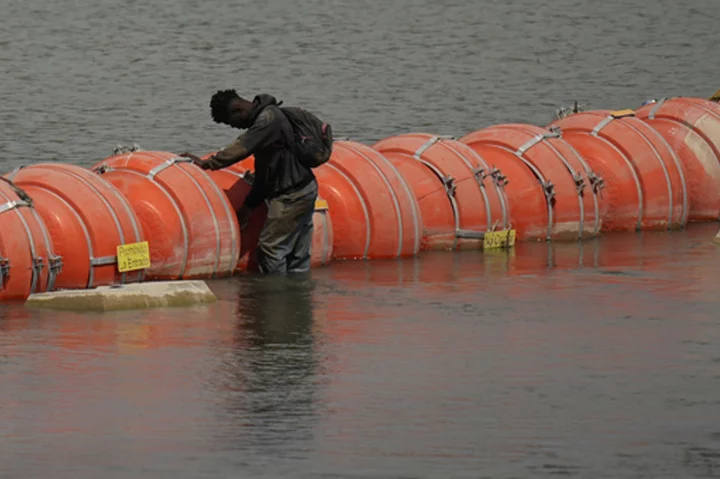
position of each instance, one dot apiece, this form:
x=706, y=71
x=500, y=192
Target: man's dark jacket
x=268, y=139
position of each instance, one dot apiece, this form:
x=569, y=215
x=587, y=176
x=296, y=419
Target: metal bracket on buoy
x=55, y=265
x=11, y=205
x=579, y=183
x=38, y=263
x=103, y=260
x=498, y=178
x=25, y=199
x=655, y=108
x=529, y=144
x=605, y=122
x=4, y=270
x=535, y=140
x=547, y=186
x=122, y=149
x=426, y=146
x=480, y=175
x=448, y=183
x=100, y=261
x=167, y=164
x=549, y=190
x=597, y=182
x=102, y=169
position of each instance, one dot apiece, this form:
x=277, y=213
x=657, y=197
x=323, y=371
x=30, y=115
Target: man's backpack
x=313, y=138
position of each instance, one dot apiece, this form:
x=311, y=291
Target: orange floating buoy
x=433, y=198
x=570, y=187
x=236, y=185
x=28, y=263
x=186, y=218
x=644, y=179
x=476, y=207
x=374, y=212
x=691, y=127
x=86, y=217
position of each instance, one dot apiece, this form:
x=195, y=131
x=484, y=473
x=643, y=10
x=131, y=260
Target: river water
x=599, y=360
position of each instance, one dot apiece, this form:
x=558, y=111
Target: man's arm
x=263, y=132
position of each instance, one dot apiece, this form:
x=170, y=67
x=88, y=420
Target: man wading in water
x=286, y=143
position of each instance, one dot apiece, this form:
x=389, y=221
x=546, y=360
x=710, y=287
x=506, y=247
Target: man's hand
x=202, y=164
x=243, y=216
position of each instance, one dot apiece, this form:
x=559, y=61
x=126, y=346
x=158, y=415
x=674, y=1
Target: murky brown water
x=600, y=361
x=592, y=361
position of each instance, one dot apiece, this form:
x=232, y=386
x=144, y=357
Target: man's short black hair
x=219, y=104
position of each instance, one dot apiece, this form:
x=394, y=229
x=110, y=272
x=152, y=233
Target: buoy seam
x=634, y=172
x=681, y=172
x=588, y=171
x=502, y=194
x=445, y=180
x=664, y=168
x=393, y=195
x=488, y=211
x=86, y=232
x=234, y=232
x=415, y=208
x=368, y=227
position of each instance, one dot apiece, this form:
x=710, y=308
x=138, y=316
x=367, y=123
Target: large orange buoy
x=374, y=212
x=28, y=263
x=570, y=187
x=434, y=198
x=691, y=127
x=87, y=219
x=477, y=207
x=644, y=179
x=186, y=218
x=236, y=183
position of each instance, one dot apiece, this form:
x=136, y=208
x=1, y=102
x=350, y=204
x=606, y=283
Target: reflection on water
x=267, y=378
x=594, y=360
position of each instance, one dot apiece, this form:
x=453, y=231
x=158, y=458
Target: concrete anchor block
x=153, y=294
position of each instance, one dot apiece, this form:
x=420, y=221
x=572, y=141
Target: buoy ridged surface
x=691, y=127
x=478, y=205
x=187, y=219
x=28, y=263
x=374, y=212
x=86, y=217
x=434, y=199
x=644, y=179
x=528, y=208
x=573, y=208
